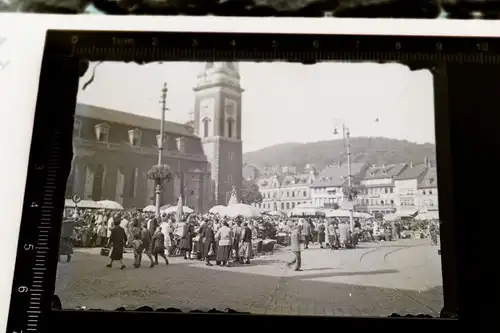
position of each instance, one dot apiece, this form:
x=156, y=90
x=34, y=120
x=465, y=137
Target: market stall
x=305, y=210
x=240, y=209
x=219, y=209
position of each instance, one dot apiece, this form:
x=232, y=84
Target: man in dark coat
x=208, y=237
x=201, y=243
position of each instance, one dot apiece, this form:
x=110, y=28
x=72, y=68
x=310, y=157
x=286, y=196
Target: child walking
x=137, y=246
x=159, y=246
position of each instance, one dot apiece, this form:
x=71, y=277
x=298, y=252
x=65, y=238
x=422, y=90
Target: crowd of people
x=210, y=237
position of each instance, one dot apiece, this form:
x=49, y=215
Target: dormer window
x=135, y=137
x=102, y=132
x=372, y=173
x=77, y=128
x=429, y=181
x=384, y=173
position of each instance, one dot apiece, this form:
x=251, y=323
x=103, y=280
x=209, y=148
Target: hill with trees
x=322, y=153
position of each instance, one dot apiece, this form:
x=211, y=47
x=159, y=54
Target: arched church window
x=230, y=127
x=206, y=126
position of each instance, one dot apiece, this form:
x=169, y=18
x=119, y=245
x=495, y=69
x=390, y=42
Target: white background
x=23, y=48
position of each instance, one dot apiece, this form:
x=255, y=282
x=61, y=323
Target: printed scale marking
x=128, y=49
x=36, y=293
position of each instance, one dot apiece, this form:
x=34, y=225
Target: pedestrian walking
x=224, y=237
x=245, y=247
x=306, y=233
x=158, y=243
x=208, y=238
x=146, y=247
x=295, y=238
x=118, y=240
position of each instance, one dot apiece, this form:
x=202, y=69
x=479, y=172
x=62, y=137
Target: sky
x=282, y=102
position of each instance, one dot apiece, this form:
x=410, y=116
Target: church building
x=113, y=150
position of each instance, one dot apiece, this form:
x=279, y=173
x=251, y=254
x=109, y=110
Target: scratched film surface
x=282, y=188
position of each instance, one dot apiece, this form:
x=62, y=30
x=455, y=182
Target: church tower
x=217, y=121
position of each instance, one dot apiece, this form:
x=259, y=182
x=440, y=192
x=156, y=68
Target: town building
x=114, y=150
x=283, y=191
x=428, y=190
x=376, y=193
x=406, y=187
x=328, y=188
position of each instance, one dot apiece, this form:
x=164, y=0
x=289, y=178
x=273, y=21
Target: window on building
x=102, y=132
x=304, y=194
x=230, y=156
x=206, y=127
x=287, y=205
x=230, y=178
x=293, y=194
x=386, y=190
x=135, y=136
x=77, y=128
x=430, y=192
x=391, y=190
x=282, y=206
x=133, y=182
x=293, y=205
x=423, y=192
x=392, y=202
x=230, y=127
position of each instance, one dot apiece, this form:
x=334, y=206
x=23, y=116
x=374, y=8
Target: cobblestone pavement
x=375, y=279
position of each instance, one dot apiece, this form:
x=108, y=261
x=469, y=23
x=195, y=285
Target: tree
x=250, y=193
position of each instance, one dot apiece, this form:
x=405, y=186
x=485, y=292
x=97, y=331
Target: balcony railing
x=127, y=148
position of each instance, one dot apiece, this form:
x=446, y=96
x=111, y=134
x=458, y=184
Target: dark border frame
x=50, y=155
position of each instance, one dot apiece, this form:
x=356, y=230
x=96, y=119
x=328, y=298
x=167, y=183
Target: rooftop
x=384, y=171
x=336, y=175
x=412, y=172
x=429, y=180
x=132, y=120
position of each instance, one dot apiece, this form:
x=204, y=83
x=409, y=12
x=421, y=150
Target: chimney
x=426, y=161
x=411, y=164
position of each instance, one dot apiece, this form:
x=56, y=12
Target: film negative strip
x=65, y=55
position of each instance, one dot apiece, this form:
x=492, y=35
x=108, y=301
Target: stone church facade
x=114, y=150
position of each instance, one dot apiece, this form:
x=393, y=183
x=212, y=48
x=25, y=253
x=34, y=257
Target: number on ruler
x=28, y=247
x=21, y=331
x=483, y=47
x=39, y=166
x=194, y=43
x=398, y=46
x=22, y=289
x=274, y=44
x=34, y=205
x=316, y=44
x=154, y=41
x=439, y=46
x=233, y=43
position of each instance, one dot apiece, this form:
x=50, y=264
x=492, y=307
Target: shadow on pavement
x=188, y=287
x=332, y=274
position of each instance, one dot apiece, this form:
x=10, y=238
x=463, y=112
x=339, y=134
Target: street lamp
x=163, y=102
x=346, y=135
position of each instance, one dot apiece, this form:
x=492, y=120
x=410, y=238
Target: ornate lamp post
x=160, y=172
x=348, y=193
